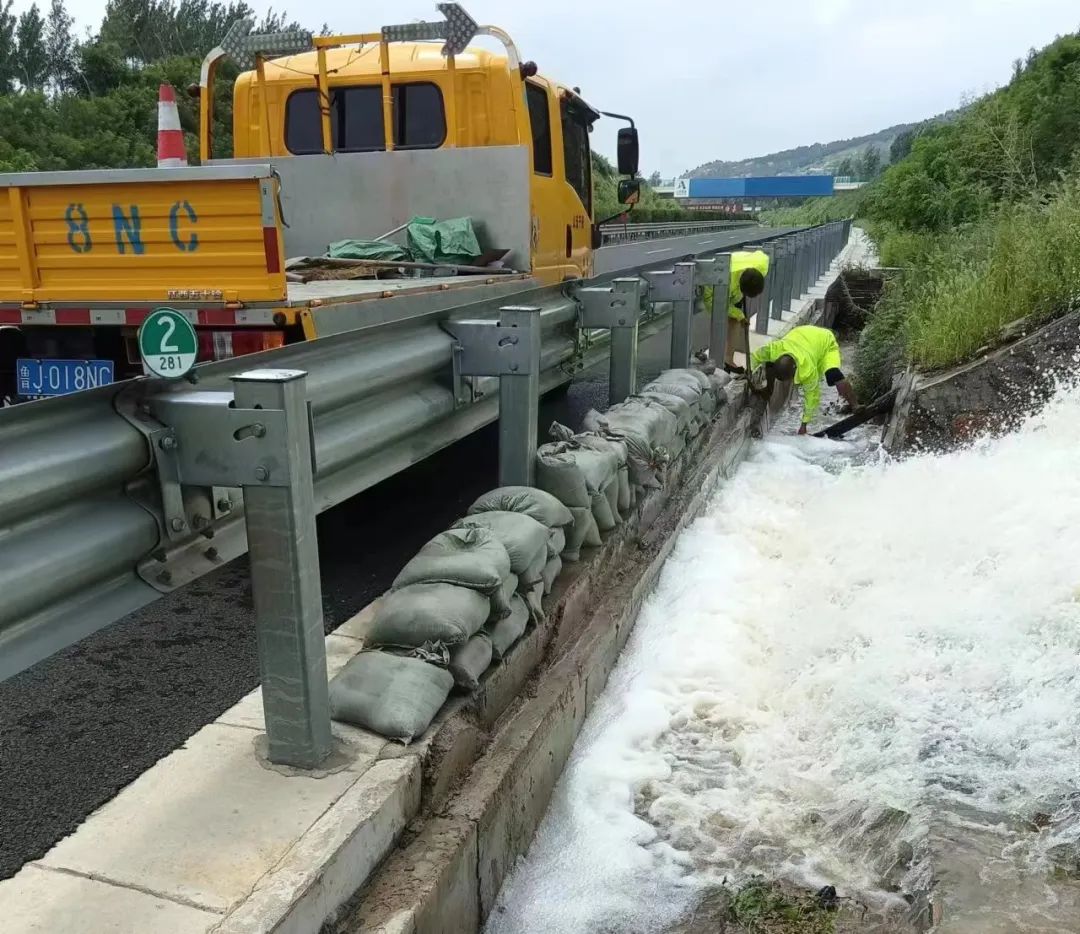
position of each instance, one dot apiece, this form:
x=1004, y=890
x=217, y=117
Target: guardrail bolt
x=261, y=473
x=165, y=577
x=199, y=523
x=224, y=505
x=211, y=554
x=258, y=430
x=168, y=443
x=178, y=524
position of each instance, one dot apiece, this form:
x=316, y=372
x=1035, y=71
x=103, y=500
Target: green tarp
x=451, y=241
x=368, y=249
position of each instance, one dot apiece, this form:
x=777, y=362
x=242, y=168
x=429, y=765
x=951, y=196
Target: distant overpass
x=701, y=191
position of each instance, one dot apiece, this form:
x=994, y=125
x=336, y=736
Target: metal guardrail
x=611, y=234
x=112, y=497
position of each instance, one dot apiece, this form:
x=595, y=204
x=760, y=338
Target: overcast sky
x=711, y=79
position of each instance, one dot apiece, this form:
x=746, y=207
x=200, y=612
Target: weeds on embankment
x=959, y=289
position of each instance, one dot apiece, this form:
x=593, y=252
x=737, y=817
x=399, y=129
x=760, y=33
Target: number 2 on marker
x=167, y=346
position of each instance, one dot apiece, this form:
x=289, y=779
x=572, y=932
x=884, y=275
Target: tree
x=60, y=48
x=870, y=163
x=32, y=64
x=900, y=147
x=655, y=181
x=8, y=48
x=846, y=168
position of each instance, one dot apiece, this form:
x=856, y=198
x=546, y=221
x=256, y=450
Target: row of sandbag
x=600, y=473
x=454, y=610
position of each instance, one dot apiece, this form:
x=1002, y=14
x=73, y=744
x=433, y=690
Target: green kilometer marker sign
x=168, y=344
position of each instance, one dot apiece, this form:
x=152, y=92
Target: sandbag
x=521, y=535
x=469, y=661
x=624, y=499
x=500, y=599
x=642, y=418
x=601, y=507
x=592, y=534
x=506, y=632
x=597, y=466
x=551, y=571
x=703, y=404
x=582, y=532
x=391, y=695
x=557, y=472
x=534, y=601
x=534, y=572
x=688, y=374
x=471, y=557
x=420, y=613
x=541, y=505
x=557, y=541
x=647, y=429
x=677, y=406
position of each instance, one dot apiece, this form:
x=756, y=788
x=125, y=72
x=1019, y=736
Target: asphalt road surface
x=625, y=255
x=78, y=727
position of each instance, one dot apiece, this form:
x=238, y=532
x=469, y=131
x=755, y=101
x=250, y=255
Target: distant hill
x=808, y=160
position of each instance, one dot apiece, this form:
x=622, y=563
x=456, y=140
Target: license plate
x=59, y=377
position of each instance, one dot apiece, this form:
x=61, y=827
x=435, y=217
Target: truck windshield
x=356, y=120
x=576, y=153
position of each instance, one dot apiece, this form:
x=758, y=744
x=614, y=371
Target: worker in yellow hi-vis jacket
x=805, y=354
x=748, y=272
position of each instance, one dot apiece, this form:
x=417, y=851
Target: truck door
x=577, y=189
x=561, y=188
x=548, y=215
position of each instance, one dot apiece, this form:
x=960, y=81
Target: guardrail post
x=789, y=274
x=616, y=307
x=779, y=276
x=682, y=320
x=285, y=584
x=509, y=349
x=799, y=272
x=676, y=286
x=721, y=286
x=763, y=306
x=519, y=400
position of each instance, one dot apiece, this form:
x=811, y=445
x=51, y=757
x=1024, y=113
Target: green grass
x=959, y=289
x=816, y=210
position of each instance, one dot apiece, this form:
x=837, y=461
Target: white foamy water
x=853, y=671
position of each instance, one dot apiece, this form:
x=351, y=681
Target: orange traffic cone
x=170, y=138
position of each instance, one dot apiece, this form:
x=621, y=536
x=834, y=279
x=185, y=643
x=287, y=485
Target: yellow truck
x=347, y=137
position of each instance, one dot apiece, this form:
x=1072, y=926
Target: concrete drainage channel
x=478, y=817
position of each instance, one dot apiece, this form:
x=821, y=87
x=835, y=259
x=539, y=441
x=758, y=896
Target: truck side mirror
x=629, y=190
x=628, y=151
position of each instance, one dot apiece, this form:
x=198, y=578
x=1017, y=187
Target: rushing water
x=854, y=671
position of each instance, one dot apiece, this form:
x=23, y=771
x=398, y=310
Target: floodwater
x=854, y=671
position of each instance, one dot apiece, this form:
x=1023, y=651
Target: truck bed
x=328, y=291
x=331, y=306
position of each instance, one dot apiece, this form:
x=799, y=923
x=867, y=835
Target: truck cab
x=477, y=99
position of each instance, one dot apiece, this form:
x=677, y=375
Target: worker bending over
x=805, y=354
x=748, y=272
